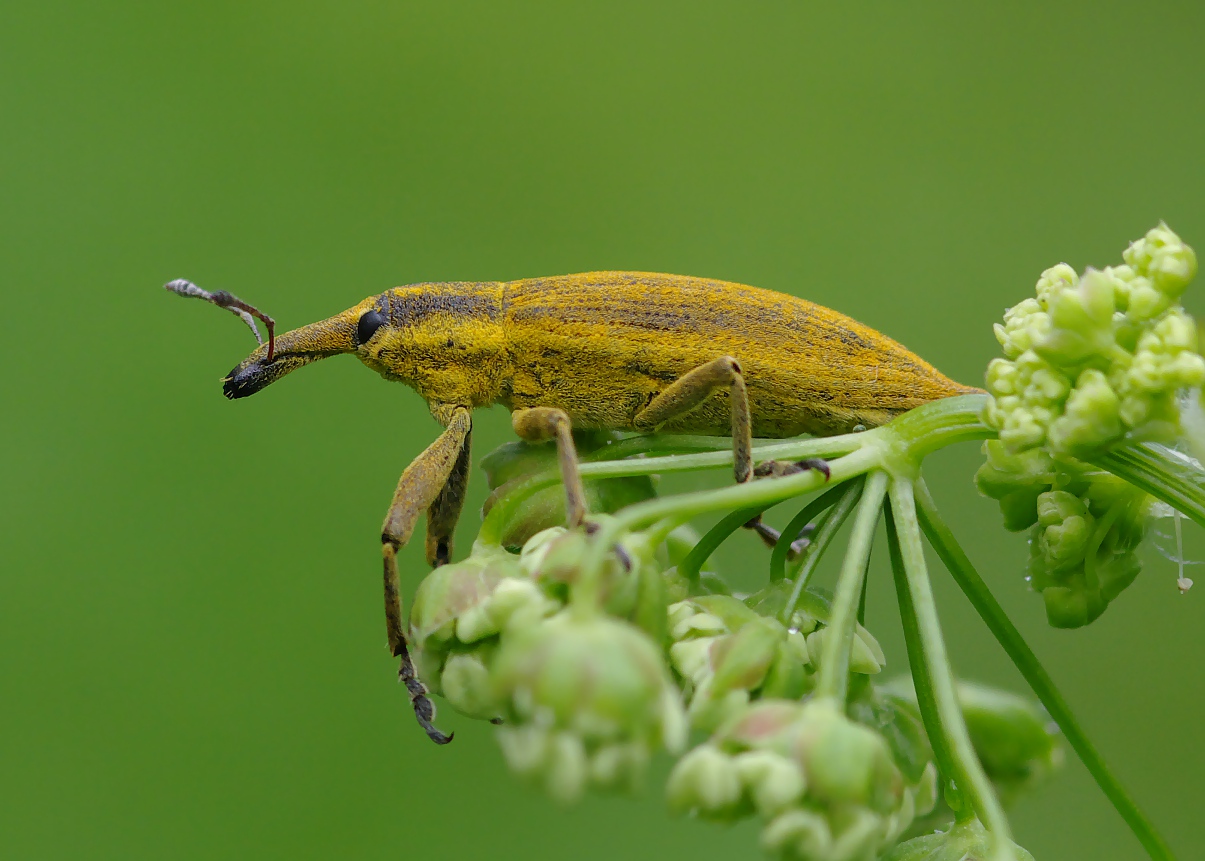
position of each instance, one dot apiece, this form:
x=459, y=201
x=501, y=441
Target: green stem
x=921, y=682
x=1160, y=476
x=714, y=537
x=833, y=680
x=824, y=447
x=752, y=494
x=993, y=615
x=821, y=539
x=937, y=424
x=968, y=771
x=778, y=558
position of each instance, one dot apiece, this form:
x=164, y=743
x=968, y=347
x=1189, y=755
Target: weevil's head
x=347, y=332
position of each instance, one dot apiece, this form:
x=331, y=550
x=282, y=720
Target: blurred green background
x=191, y=643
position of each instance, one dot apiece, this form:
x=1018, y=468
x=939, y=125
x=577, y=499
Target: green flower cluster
x=584, y=692
x=827, y=787
x=1085, y=527
x=1098, y=358
x=592, y=662
x=730, y=652
x=1092, y=361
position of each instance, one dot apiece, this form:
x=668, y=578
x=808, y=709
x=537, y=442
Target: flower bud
x=465, y=683
x=845, y=762
x=632, y=584
x=772, y=781
x=1081, y=322
x=1164, y=258
x=1014, y=738
x=866, y=657
x=1091, y=417
x=963, y=842
x=450, y=592
x=705, y=781
x=801, y=834
x=457, y=614
x=576, y=686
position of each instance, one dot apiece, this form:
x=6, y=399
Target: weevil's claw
x=776, y=469
x=424, y=709
x=771, y=536
x=802, y=542
x=818, y=464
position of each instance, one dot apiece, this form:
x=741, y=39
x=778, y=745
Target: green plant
x=596, y=647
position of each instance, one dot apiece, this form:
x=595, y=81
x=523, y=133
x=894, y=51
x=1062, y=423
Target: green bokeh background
x=191, y=647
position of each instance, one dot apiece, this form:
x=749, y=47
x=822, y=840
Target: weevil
x=630, y=351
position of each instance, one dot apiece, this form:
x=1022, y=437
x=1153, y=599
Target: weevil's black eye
x=368, y=325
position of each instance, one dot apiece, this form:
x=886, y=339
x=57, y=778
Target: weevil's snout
x=253, y=373
x=293, y=350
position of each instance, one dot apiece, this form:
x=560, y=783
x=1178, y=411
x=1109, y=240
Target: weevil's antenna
x=231, y=303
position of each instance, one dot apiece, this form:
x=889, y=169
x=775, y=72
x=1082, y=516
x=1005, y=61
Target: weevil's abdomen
x=601, y=345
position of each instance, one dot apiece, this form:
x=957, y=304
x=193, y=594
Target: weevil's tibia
x=537, y=424
x=231, y=303
x=421, y=486
x=690, y=391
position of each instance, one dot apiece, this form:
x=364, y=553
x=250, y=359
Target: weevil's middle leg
x=536, y=424
x=421, y=488
x=690, y=391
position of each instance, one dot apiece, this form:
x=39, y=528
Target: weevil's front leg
x=420, y=488
x=537, y=424
x=691, y=390
x=445, y=510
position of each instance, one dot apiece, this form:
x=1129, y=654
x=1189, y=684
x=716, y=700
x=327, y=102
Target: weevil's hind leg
x=691, y=390
x=420, y=486
x=536, y=424
x=445, y=510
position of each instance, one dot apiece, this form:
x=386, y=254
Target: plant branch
x=993, y=615
x=968, y=771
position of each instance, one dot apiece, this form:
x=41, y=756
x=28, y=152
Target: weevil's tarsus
x=421, y=488
x=231, y=303
x=774, y=469
x=424, y=708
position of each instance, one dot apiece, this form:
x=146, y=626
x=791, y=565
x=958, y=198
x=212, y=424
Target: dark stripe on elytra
x=417, y=302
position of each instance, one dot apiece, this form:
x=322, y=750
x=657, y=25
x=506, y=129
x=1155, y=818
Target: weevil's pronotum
x=608, y=350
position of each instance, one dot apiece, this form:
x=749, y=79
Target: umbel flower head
x=456, y=620
x=1098, y=357
x=1090, y=362
x=827, y=787
x=587, y=698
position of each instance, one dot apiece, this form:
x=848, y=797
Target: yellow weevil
x=607, y=350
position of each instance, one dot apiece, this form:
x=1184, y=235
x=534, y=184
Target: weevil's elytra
x=631, y=351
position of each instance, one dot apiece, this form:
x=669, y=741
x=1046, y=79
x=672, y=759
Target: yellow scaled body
x=609, y=350
x=601, y=345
